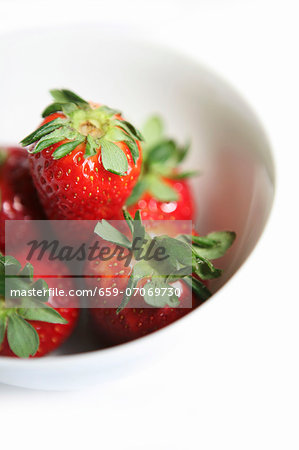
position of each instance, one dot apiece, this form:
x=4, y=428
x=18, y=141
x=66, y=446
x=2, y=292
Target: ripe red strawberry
x=135, y=322
x=35, y=325
x=86, y=159
x=162, y=191
x=19, y=199
x=182, y=208
x=119, y=311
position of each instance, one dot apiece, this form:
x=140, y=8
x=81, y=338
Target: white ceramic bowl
x=228, y=145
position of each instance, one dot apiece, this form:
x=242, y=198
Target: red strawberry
x=35, y=326
x=162, y=191
x=19, y=200
x=135, y=322
x=182, y=208
x=86, y=159
x=118, y=313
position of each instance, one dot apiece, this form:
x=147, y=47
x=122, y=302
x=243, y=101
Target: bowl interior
x=235, y=189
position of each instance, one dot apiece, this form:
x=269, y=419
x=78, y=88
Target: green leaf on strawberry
x=91, y=147
x=67, y=96
x=54, y=107
x=183, y=260
x=212, y=246
x=140, y=270
x=198, y=287
x=99, y=128
x=153, y=131
x=140, y=187
x=158, y=300
x=160, y=189
x=109, y=111
x=113, y=158
x=111, y=234
x=22, y=338
x=65, y=149
x=42, y=131
x=27, y=271
x=138, y=230
x=129, y=128
x=161, y=157
x=42, y=313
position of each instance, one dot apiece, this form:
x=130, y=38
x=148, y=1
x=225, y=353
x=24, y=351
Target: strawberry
x=121, y=312
x=19, y=200
x=32, y=325
x=85, y=159
x=132, y=323
x=162, y=192
x=182, y=208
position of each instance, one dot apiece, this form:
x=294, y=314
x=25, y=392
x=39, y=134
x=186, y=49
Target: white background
x=243, y=391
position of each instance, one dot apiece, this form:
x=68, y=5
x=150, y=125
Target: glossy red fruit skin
x=51, y=335
x=19, y=200
x=134, y=322
x=137, y=319
x=152, y=209
x=75, y=188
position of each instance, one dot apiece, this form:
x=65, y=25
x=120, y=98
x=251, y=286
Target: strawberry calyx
x=15, y=314
x=161, y=156
x=98, y=127
x=188, y=259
